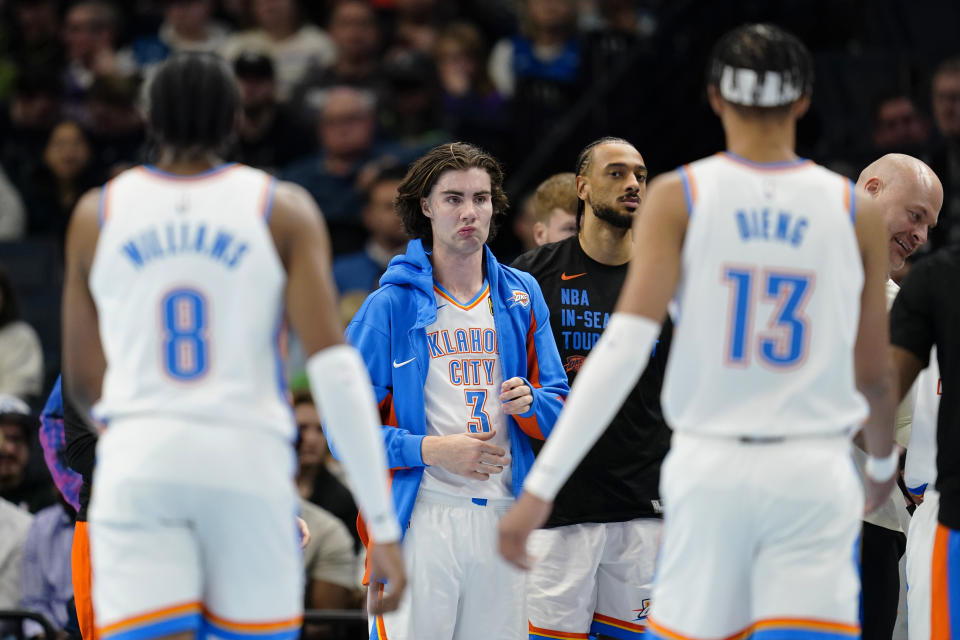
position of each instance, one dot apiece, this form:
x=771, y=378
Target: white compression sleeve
x=609, y=373
x=341, y=387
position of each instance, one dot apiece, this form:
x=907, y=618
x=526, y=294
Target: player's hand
x=529, y=513
x=515, y=396
x=304, y=532
x=388, y=578
x=465, y=454
x=877, y=492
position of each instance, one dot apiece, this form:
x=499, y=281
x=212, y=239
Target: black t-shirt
x=927, y=313
x=620, y=477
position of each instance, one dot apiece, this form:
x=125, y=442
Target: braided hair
x=583, y=165
x=192, y=102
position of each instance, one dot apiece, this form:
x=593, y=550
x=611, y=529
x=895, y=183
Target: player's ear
x=873, y=186
x=716, y=102
x=539, y=233
x=582, y=187
x=801, y=106
x=425, y=207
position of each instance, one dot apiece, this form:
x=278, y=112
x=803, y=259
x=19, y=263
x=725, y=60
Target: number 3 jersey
x=189, y=292
x=462, y=392
x=768, y=302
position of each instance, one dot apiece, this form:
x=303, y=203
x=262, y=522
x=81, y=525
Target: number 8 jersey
x=189, y=292
x=768, y=303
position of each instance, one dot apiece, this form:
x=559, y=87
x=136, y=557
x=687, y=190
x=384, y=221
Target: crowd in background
x=340, y=95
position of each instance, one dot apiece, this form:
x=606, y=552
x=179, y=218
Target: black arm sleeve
x=81, y=442
x=912, y=323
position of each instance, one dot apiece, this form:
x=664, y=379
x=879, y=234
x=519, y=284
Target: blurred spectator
x=345, y=128
x=355, y=31
x=16, y=486
x=14, y=524
x=37, y=44
x=65, y=173
x=523, y=223
x=547, y=51
x=315, y=480
x=115, y=124
x=621, y=16
x=34, y=109
x=13, y=217
x=21, y=357
x=898, y=123
x=90, y=32
x=417, y=24
x=472, y=107
x=45, y=577
x=293, y=45
x=269, y=136
x=188, y=25
x=412, y=111
x=945, y=160
x=360, y=272
x=555, y=208
x=329, y=560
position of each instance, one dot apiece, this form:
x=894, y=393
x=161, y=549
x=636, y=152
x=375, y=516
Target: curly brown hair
x=425, y=172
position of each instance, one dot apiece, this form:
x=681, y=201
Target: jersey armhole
x=850, y=199
x=103, y=207
x=266, y=199
x=689, y=187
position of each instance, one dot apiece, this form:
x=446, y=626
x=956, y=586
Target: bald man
x=909, y=196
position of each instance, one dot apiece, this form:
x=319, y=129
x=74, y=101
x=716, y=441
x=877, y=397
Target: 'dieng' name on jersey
x=184, y=238
x=762, y=224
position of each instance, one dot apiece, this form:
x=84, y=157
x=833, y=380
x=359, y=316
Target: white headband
x=744, y=87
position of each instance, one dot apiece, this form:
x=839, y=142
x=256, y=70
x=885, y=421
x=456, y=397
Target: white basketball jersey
x=462, y=393
x=189, y=290
x=921, y=464
x=768, y=302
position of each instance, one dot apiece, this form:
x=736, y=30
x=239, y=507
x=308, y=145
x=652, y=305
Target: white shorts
x=759, y=538
x=192, y=529
x=920, y=538
x=458, y=587
x=592, y=578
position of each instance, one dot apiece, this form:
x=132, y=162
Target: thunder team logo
x=521, y=298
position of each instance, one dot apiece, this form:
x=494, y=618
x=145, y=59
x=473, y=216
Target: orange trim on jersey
x=150, y=617
x=254, y=627
x=381, y=627
x=480, y=296
x=673, y=635
x=550, y=633
x=265, y=204
x=81, y=573
x=529, y=425
x=847, y=195
x=160, y=174
x=939, y=583
x=692, y=182
x=105, y=202
x=620, y=624
x=807, y=624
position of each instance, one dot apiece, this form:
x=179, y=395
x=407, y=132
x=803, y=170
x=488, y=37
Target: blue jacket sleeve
x=545, y=374
x=403, y=447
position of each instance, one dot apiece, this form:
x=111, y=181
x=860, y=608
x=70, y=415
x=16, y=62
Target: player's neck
x=186, y=166
x=762, y=140
x=460, y=274
x=603, y=242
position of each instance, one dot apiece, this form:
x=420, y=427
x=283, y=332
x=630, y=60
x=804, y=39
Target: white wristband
x=880, y=469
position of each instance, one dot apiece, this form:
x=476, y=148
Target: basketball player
x=925, y=314
x=185, y=268
x=908, y=195
x=607, y=515
x=465, y=367
x=555, y=207
x=775, y=361
x=920, y=477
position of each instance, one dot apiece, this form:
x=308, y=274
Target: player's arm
x=874, y=374
x=338, y=379
x=84, y=363
x=614, y=364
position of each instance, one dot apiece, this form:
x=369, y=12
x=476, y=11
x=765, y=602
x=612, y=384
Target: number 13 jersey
x=768, y=302
x=189, y=292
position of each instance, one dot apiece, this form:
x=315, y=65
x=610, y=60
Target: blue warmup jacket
x=391, y=327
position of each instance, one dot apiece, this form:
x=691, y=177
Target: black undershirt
x=620, y=476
